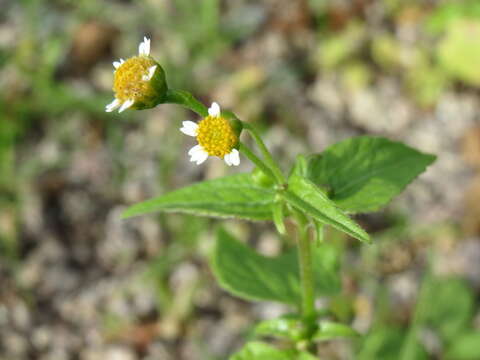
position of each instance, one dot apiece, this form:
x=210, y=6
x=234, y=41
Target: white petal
x=234, y=157
x=116, y=64
x=151, y=71
x=202, y=157
x=227, y=160
x=126, y=105
x=197, y=154
x=144, y=47
x=194, y=149
x=112, y=106
x=214, y=110
x=147, y=45
x=189, y=128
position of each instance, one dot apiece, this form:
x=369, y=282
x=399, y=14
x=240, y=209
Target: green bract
x=159, y=86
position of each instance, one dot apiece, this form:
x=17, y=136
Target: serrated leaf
x=364, y=173
x=249, y=275
x=307, y=197
x=465, y=347
x=256, y=350
x=329, y=330
x=231, y=196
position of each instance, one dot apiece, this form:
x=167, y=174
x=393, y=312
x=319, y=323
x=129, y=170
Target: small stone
x=15, y=345
x=119, y=353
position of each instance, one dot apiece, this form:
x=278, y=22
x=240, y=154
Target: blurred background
x=77, y=282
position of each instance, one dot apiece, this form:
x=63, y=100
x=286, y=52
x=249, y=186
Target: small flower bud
x=261, y=179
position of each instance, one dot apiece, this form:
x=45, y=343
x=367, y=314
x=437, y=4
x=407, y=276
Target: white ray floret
x=126, y=105
x=197, y=154
x=189, y=128
x=116, y=64
x=214, y=110
x=112, y=106
x=144, y=47
x=233, y=158
x=151, y=72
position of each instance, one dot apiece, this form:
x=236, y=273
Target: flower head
x=215, y=137
x=139, y=82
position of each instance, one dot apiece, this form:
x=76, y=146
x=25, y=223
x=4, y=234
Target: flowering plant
x=357, y=175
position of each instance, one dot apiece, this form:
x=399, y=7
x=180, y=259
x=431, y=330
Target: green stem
x=306, y=271
x=272, y=164
x=187, y=100
x=410, y=345
x=255, y=159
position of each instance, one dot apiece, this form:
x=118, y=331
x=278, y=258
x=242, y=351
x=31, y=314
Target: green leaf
x=331, y=330
x=256, y=350
x=249, y=275
x=300, y=167
x=319, y=232
x=458, y=52
x=451, y=307
x=259, y=351
x=385, y=343
x=305, y=196
x=290, y=327
x=442, y=17
x=304, y=356
x=365, y=173
x=278, y=217
x=465, y=347
x=232, y=196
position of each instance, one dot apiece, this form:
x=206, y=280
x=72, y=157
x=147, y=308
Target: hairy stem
x=306, y=273
x=272, y=164
x=255, y=159
x=187, y=100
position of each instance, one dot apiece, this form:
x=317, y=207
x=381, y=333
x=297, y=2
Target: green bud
x=261, y=179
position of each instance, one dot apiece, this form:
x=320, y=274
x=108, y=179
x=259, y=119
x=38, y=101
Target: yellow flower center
x=129, y=82
x=216, y=136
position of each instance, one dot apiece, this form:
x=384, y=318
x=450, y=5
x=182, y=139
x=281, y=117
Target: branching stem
x=272, y=164
x=255, y=159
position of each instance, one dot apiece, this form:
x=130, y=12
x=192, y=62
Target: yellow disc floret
x=130, y=79
x=216, y=136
